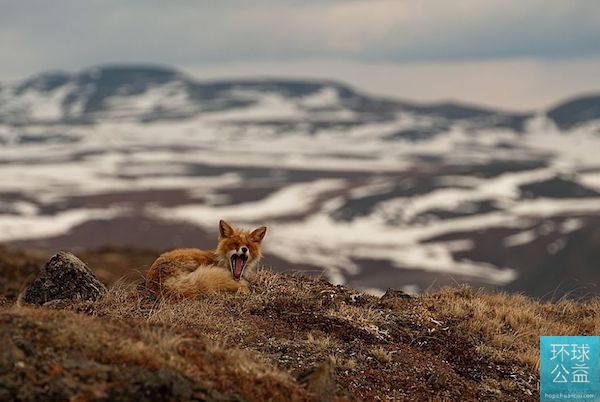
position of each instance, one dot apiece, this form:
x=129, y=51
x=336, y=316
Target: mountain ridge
x=88, y=94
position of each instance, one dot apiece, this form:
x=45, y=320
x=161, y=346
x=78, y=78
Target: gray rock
x=64, y=278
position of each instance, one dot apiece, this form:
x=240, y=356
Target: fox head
x=239, y=249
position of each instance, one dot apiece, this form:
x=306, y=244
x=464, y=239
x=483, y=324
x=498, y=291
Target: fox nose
x=244, y=250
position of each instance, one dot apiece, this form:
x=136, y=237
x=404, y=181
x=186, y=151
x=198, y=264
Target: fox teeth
x=243, y=259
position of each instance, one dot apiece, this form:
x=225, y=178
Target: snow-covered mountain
x=376, y=192
x=149, y=94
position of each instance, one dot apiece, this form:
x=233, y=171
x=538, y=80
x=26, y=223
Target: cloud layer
x=36, y=34
x=182, y=31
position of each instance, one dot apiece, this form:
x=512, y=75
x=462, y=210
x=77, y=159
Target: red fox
x=190, y=272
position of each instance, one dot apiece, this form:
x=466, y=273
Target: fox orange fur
x=190, y=272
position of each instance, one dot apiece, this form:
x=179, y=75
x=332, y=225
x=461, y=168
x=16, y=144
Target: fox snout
x=238, y=261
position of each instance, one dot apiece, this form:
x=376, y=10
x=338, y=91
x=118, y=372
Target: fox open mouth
x=238, y=263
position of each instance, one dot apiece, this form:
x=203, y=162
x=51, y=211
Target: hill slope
x=293, y=338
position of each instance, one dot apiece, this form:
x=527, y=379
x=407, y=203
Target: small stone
x=395, y=293
x=65, y=277
x=353, y=298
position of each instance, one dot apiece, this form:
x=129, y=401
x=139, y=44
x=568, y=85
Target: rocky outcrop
x=64, y=278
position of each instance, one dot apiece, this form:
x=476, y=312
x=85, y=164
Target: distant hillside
x=576, y=111
x=114, y=91
x=371, y=192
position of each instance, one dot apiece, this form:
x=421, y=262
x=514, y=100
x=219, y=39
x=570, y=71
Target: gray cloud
x=67, y=32
x=37, y=35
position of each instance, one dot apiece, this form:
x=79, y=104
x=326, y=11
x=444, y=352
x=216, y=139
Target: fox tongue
x=237, y=268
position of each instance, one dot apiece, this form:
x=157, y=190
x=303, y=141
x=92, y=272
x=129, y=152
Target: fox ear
x=224, y=229
x=258, y=234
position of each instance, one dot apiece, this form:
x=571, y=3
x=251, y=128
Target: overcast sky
x=514, y=54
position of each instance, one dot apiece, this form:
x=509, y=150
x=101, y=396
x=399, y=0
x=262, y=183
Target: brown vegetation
x=293, y=338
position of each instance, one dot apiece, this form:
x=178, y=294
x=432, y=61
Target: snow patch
x=591, y=180
x=571, y=225
x=13, y=227
x=296, y=199
x=171, y=97
x=327, y=97
x=267, y=107
x=520, y=238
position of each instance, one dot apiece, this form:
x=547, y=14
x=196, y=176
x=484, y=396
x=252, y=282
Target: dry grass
x=454, y=344
x=321, y=342
x=210, y=365
x=381, y=354
x=506, y=328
